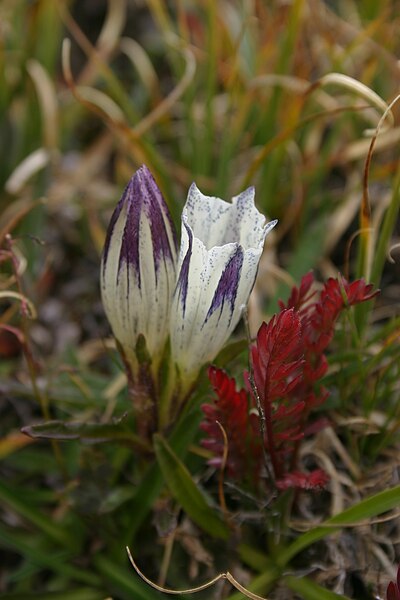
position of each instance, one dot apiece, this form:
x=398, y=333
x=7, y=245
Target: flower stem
x=168, y=394
x=270, y=434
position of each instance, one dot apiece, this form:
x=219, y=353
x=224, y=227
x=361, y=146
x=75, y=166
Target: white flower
x=138, y=270
x=197, y=299
x=221, y=246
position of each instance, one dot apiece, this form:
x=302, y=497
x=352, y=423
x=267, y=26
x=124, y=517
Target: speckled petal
x=220, y=250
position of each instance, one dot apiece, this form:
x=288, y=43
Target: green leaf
x=254, y=558
x=310, y=590
x=259, y=585
x=22, y=506
x=370, y=507
x=185, y=490
x=150, y=486
x=230, y=352
x=90, y=433
x=57, y=561
x=127, y=581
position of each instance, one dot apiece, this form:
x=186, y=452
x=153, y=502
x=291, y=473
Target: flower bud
x=138, y=270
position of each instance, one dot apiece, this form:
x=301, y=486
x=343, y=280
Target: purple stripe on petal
x=157, y=213
x=228, y=284
x=129, y=252
x=142, y=197
x=183, y=279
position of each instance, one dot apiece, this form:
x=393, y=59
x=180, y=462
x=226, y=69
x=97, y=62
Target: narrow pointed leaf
x=370, y=507
x=310, y=590
x=185, y=490
x=90, y=433
x=124, y=579
x=23, y=506
x=150, y=486
x=57, y=561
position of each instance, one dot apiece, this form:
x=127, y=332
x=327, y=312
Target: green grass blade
x=152, y=482
x=310, y=590
x=185, y=490
x=260, y=585
x=370, y=507
x=55, y=560
x=383, y=241
x=89, y=433
x=129, y=584
x=55, y=532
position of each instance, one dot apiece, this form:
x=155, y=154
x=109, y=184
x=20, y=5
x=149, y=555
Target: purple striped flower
x=138, y=270
x=221, y=246
x=196, y=298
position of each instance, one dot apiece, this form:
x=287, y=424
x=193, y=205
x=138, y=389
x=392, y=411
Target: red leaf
x=231, y=409
x=392, y=592
x=299, y=295
x=277, y=358
x=316, y=480
x=277, y=355
x=393, y=589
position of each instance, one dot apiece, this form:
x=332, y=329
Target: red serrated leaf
x=299, y=295
x=231, y=409
x=277, y=355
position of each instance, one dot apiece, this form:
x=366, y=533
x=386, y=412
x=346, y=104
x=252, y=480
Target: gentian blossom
x=149, y=293
x=221, y=246
x=138, y=269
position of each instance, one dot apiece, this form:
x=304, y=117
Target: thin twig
x=256, y=395
x=227, y=576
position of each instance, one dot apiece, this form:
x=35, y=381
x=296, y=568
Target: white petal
x=220, y=250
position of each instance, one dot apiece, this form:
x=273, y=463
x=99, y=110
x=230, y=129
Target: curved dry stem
x=167, y=103
x=26, y=303
x=360, y=231
x=142, y=63
x=389, y=255
x=360, y=89
x=90, y=97
x=14, y=215
x=365, y=209
x=106, y=42
x=93, y=99
x=47, y=96
x=15, y=331
x=29, y=166
x=112, y=26
x=227, y=576
x=367, y=166
x=160, y=588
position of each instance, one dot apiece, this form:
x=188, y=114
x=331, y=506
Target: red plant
x=393, y=589
x=288, y=360
x=232, y=410
x=277, y=360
